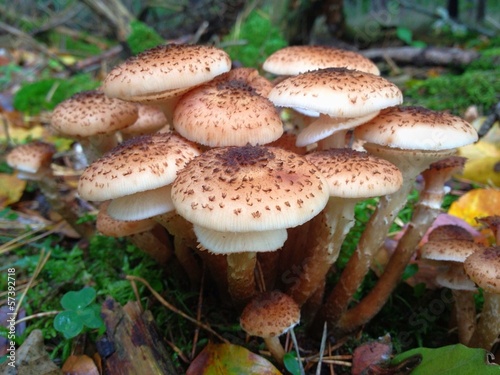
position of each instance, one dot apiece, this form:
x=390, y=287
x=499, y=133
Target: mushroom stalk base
x=276, y=349
x=488, y=327
x=465, y=307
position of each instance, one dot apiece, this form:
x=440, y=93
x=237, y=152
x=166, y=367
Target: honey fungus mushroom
x=160, y=75
x=241, y=200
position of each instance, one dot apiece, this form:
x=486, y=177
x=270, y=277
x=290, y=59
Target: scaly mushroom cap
x=294, y=60
x=449, y=251
x=31, y=157
x=483, y=267
x=165, y=71
x=455, y=278
x=450, y=232
x=270, y=314
x=150, y=119
x=227, y=113
x=139, y=164
x=417, y=128
x=109, y=226
x=250, y=188
x=251, y=77
x=91, y=113
x=337, y=92
x=353, y=174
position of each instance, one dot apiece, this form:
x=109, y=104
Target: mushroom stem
x=328, y=231
x=426, y=210
x=155, y=243
x=465, y=310
x=184, y=243
x=276, y=349
x=336, y=140
x=488, y=327
x=411, y=164
x=240, y=276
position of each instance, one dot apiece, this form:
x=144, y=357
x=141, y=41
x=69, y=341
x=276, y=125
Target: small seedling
x=79, y=311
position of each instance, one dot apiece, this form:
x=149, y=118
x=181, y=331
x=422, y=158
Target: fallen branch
x=423, y=56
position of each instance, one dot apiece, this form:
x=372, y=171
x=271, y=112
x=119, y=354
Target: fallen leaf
x=449, y=360
x=222, y=359
x=11, y=189
x=476, y=203
x=482, y=157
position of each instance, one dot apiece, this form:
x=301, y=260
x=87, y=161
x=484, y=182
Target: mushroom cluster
x=251, y=201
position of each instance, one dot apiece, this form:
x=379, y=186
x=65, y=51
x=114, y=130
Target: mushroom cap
x=449, y=250
x=293, y=60
x=450, y=232
x=31, y=157
x=165, y=71
x=270, y=314
x=417, y=128
x=227, y=113
x=249, y=188
x=288, y=141
x=90, y=113
x=337, y=92
x=150, y=119
x=142, y=163
x=354, y=174
x=455, y=278
x=109, y=226
x=483, y=267
x=251, y=77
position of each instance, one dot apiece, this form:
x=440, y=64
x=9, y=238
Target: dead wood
x=423, y=56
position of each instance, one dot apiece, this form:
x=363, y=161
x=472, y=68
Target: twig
x=15, y=243
x=198, y=313
x=39, y=267
x=175, y=309
x=322, y=349
x=296, y=345
x=40, y=47
x=38, y=315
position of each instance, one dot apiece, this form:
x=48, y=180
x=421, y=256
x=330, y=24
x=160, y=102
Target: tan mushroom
x=269, y=315
x=93, y=119
x=242, y=199
x=342, y=98
x=483, y=267
x=160, y=75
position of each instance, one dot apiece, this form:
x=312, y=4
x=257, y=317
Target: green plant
x=259, y=39
x=142, y=37
x=406, y=35
x=45, y=94
x=80, y=311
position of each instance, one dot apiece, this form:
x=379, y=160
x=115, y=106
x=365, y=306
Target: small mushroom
x=483, y=267
x=269, y=315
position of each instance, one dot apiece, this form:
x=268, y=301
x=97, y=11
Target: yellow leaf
x=476, y=203
x=11, y=189
x=482, y=162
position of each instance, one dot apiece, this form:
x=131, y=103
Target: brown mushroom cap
x=337, y=92
x=449, y=251
x=455, y=278
x=450, y=232
x=91, y=113
x=31, y=157
x=354, y=174
x=139, y=164
x=294, y=60
x=251, y=77
x=417, y=128
x=165, y=71
x=270, y=314
x=250, y=188
x=227, y=113
x=483, y=267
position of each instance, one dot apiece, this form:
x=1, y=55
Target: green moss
x=260, y=39
x=45, y=94
x=143, y=37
